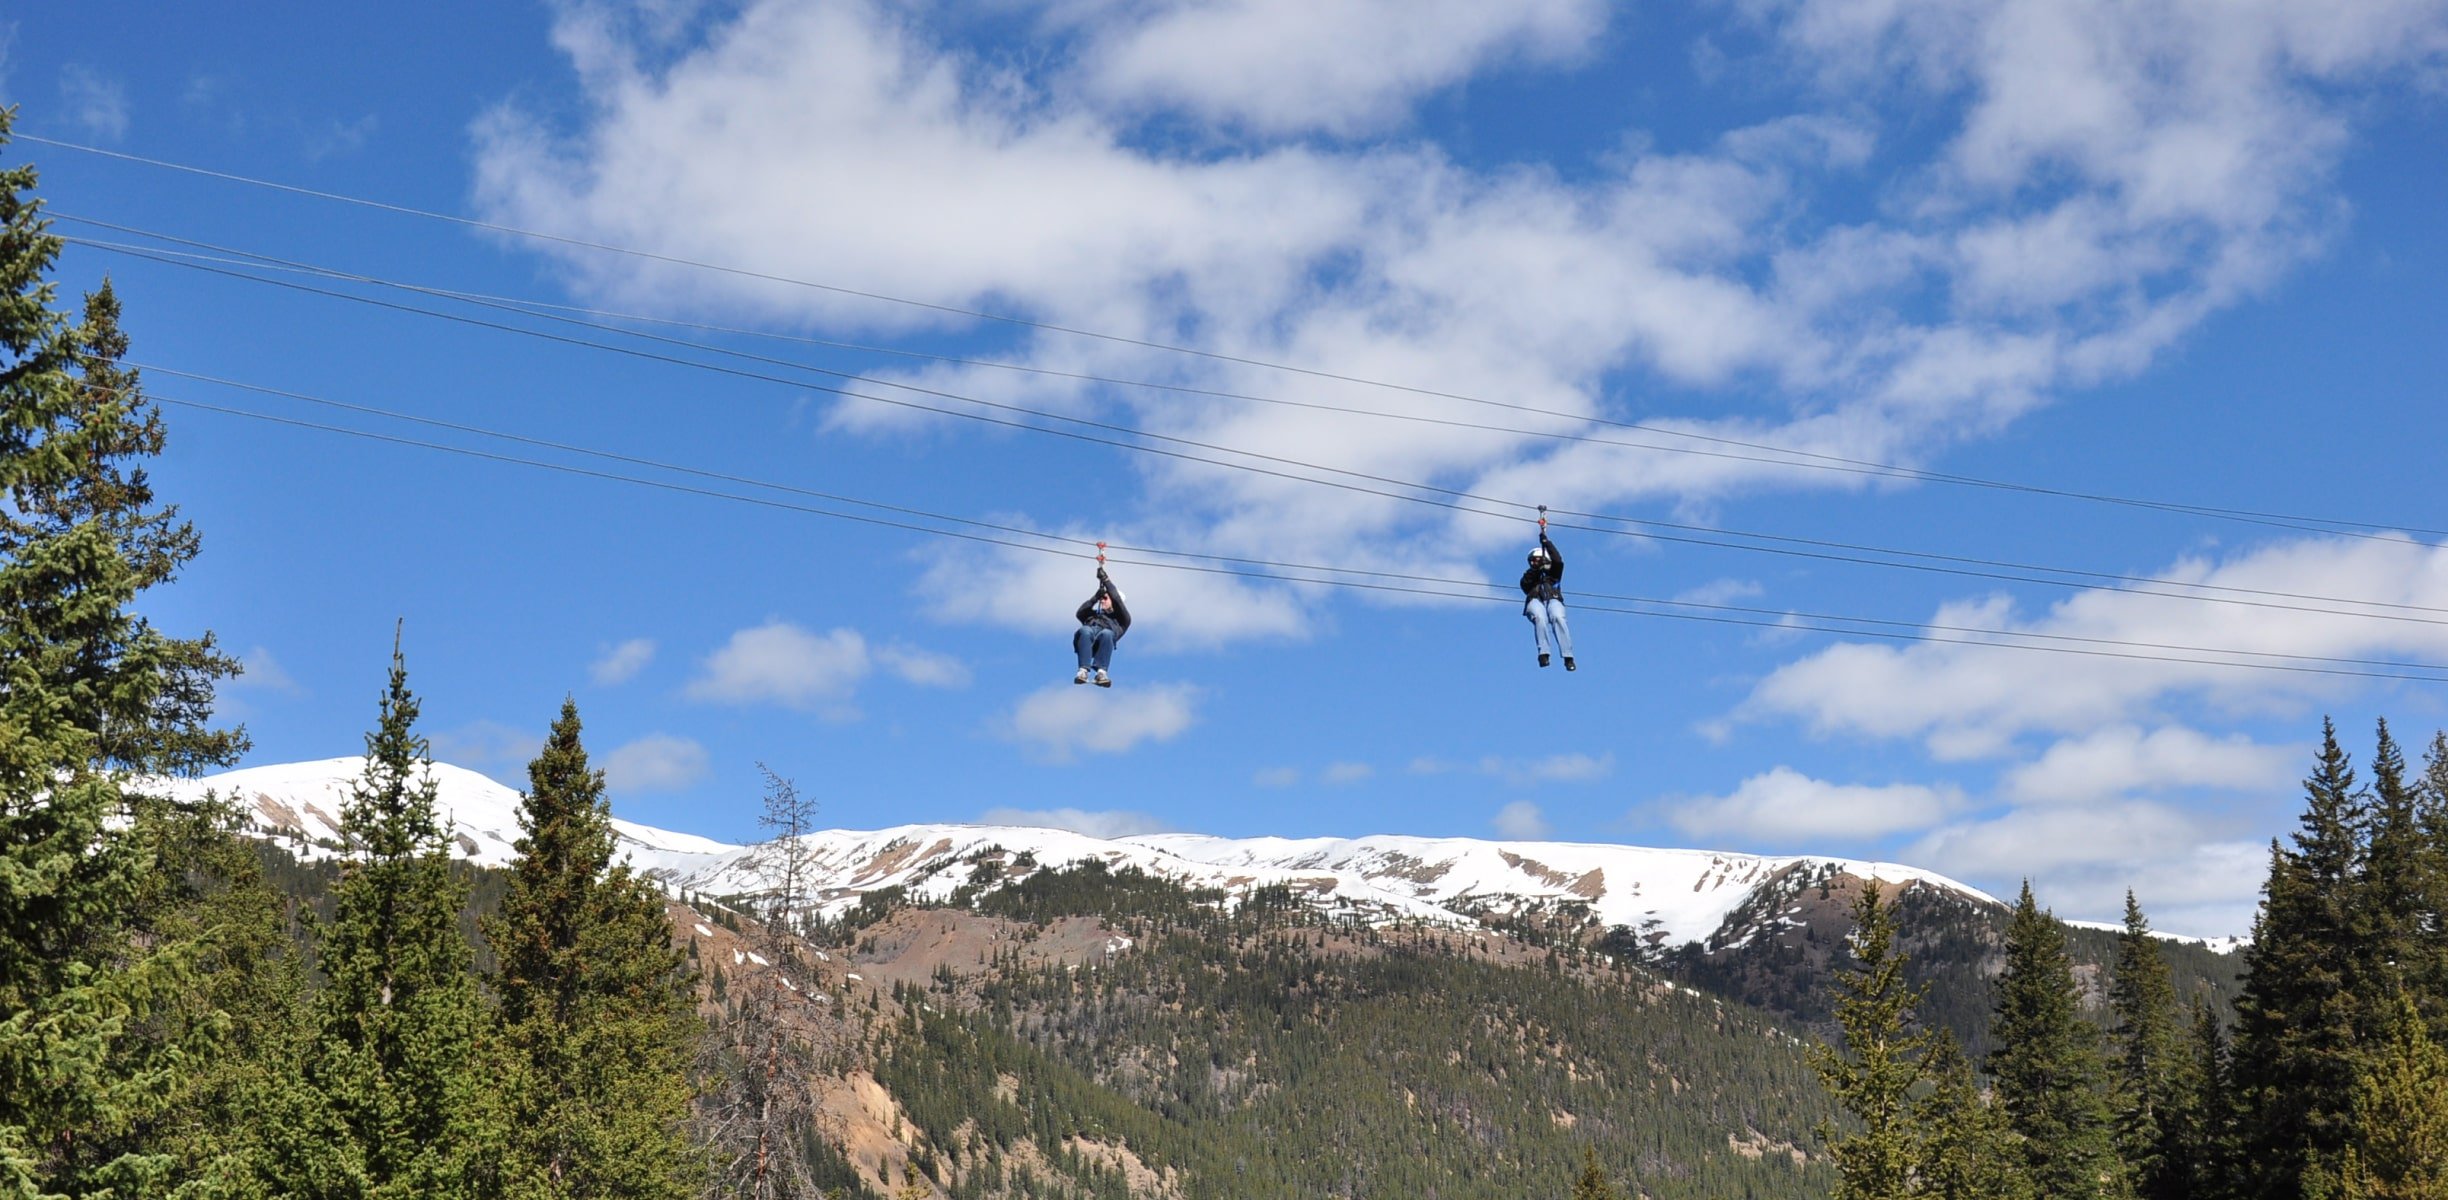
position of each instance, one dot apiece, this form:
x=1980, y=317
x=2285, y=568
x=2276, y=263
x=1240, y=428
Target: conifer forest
x=189, y=1010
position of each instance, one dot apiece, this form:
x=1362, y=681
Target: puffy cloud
x=658, y=762
x=781, y=663
x=1573, y=767
x=621, y=663
x=1061, y=721
x=1787, y=806
x=1112, y=823
x=1970, y=701
x=2122, y=759
x=1284, y=66
x=2188, y=875
x=2106, y=177
x=1521, y=820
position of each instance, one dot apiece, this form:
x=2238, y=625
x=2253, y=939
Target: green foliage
x=2154, y=1073
x=2398, y=1149
x=400, y=1104
x=1874, y=1076
x=2046, y=1064
x=92, y=1013
x=1592, y=1184
x=597, y=1007
x=1091, y=888
x=2298, y=1021
x=1967, y=1150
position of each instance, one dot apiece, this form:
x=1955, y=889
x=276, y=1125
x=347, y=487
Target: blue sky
x=2175, y=250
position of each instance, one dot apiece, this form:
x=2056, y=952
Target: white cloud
x=93, y=102
x=1721, y=591
x=1276, y=777
x=2189, y=876
x=658, y=762
x=1348, y=772
x=923, y=667
x=1975, y=701
x=621, y=663
x=2106, y=177
x=780, y=663
x=1787, y=806
x=260, y=670
x=1105, y=824
x=1558, y=768
x=1061, y=721
x=2123, y=759
x=1285, y=66
x=491, y=747
x=1521, y=820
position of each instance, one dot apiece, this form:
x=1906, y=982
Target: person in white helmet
x=1103, y=619
x=1543, y=601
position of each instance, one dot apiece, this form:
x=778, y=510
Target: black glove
x=1101, y=576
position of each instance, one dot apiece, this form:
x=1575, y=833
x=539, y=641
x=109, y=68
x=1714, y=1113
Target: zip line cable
x=1275, y=575
x=1782, y=614
x=532, y=307
x=549, y=311
x=2238, y=514
x=1650, y=527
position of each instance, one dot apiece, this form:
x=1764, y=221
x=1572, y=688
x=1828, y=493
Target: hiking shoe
x=1082, y=677
x=1104, y=680
x=1568, y=663
x=1542, y=660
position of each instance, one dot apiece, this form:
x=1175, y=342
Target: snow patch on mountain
x=1684, y=895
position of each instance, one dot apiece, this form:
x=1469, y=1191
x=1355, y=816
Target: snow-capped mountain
x=1682, y=895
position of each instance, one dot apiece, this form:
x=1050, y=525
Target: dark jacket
x=1118, y=620
x=1544, y=582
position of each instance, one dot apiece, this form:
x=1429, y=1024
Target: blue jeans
x=1095, y=645
x=1546, y=615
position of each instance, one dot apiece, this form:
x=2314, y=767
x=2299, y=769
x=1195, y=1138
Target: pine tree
x=90, y=693
x=2297, y=1019
x=2202, y=1131
x=2398, y=1145
x=1874, y=1076
x=2387, y=910
x=2427, y=973
x=2049, y=1078
x=1593, y=1184
x=404, y=1102
x=597, y=1007
x=2153, y=1072
x=1967, y=1152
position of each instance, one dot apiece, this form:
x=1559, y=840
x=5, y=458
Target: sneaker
x=1082, y=677
x=1542, y=660
x=1568, y=663
x=1104, y=680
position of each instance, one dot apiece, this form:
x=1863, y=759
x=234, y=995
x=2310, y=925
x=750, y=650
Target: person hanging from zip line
x=1543, y=598
x=1103, y=619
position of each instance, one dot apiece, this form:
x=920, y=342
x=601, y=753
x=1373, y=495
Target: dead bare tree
x=766, y=1051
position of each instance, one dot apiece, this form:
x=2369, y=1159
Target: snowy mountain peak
x=1679, y=895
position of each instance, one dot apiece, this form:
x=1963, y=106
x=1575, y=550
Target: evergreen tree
x=2153, y=1071
x=90, y=693
x=2049, y=1078
x=1874, y=1075
x=2388, y=911
x=1967, y=1152
x=2427, y=972
x=2297, y=1019
x=597, y=1007
x=1593, y=1184
x=404, y=1104
x=2398, y=1146
x=2202, y=1132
